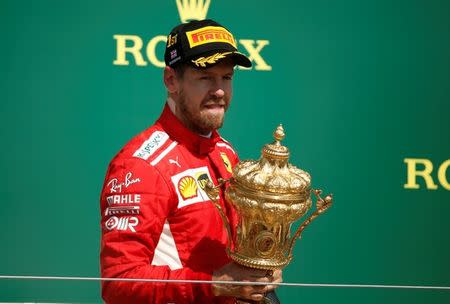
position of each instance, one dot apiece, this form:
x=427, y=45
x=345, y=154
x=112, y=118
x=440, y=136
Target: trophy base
x=259, y=263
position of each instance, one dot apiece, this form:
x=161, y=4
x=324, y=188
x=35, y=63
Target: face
x=203, y=97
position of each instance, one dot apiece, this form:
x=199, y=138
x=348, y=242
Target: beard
x=201, y=120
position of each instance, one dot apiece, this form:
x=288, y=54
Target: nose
x=219, y=93
x=218, y=88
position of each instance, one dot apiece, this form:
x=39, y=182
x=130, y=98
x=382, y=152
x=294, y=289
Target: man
x=157, y=221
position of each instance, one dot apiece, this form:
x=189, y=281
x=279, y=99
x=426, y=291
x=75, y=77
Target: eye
x=205, y=77
x=228, y=77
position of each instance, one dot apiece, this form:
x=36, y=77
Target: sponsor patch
x=156, y=140
x=174, y=60
x=202, y=180
x=210, y=34
x=189, y=186
x=226, y=162
x=174, y=162
x=171, y=40
x=116, y=186
x=173, y=54
x=122, y=210
x=122, y=223
x=123, y=199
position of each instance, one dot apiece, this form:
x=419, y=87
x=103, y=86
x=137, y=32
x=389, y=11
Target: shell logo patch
x=188, y=187
x=226, y=162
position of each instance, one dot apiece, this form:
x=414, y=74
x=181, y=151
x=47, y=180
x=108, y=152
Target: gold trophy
x=269, y=195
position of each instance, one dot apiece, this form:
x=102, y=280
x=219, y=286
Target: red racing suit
x=157, y=221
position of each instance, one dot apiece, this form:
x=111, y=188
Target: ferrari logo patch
x=226, y=162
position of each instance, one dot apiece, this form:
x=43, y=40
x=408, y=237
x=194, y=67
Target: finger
x=274, y=286
x=246, y=291
x=271, y=287
x=257, y=297
x=249, y=291
x=277, y=273
x=258, y=273
x=227, y=290
x=277, y=277
x=255, y=289
x=277, y=280
x=262, y=279
x=260, y=288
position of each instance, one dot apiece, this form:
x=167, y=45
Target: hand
x=236, y=272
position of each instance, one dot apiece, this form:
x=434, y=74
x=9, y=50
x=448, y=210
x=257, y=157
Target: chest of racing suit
x=157, y=221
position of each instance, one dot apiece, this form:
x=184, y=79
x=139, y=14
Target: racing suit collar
x=178, y=132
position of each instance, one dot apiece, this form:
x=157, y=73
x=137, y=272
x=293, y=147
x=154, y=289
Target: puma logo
x=175, y=162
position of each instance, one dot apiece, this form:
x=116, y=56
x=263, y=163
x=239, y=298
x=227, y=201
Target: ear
x=171, y=80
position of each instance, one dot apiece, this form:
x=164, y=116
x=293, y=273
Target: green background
x=358, y=85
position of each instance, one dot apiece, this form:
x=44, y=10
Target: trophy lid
x=272, y=172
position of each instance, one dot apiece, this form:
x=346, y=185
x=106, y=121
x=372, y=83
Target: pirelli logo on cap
x=210, y=34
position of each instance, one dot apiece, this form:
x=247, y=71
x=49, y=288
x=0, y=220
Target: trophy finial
x=275, y=150
x=279, y=134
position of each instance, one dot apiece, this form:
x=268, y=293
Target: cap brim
x=240, y=59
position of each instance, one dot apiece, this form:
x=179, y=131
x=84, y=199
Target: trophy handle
x=213, y=194
x=321, y=206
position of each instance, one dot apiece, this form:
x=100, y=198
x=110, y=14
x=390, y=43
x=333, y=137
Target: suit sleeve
x=135, y=203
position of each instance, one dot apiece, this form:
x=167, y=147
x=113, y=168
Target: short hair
x=180, y=69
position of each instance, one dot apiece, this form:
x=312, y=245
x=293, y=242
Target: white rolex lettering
x=122, y=49
x=151, y=51
x=254, y=53
x=253, y=48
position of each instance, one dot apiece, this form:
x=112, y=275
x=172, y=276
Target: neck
x=173, y=108
x=172, y=105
